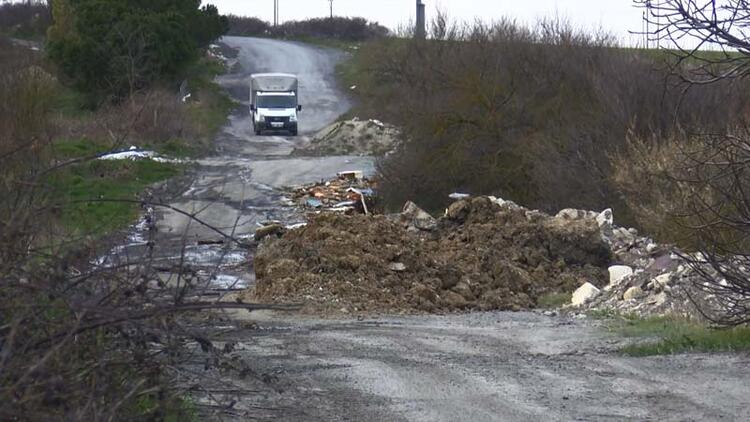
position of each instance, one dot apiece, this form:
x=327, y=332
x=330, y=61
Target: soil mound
x=480, y=256
x=353, y=137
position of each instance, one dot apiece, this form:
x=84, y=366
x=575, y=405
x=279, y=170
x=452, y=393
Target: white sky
x=615, y=16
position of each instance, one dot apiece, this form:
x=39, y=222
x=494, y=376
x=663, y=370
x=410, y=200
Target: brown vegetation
x=529, y=115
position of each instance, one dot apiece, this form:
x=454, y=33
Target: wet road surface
x=477, y=367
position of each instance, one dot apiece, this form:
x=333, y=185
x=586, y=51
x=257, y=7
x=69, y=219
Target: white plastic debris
x=136, y=154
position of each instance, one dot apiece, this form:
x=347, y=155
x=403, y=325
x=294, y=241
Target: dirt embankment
x=353, y=137
x=482, y=255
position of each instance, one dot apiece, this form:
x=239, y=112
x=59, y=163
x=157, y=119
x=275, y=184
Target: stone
x=397, y=267
x=574, y=214
x=454, y=300
x=618, y=273
x=661, y=281
x=633, y=293
x=458, y=211
x=464, y=290
x=584, y=294
x=413, y=216
x=269, y=230
x=605, y=218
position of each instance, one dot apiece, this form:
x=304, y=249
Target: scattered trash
x=459, y=196
x=349, y=193
x=352, y=175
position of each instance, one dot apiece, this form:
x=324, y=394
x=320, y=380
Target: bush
x=339, y=28
x=247, y=26
x=531, y=115
x=25, y=20
x=112, y=48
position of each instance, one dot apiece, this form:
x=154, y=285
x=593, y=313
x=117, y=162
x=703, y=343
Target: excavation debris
x=353, y=137
x=484, y=254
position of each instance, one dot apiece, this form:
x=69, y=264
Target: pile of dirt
x=353, y=137
x=484, y=254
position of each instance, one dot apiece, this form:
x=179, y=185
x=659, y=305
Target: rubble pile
x=350, y=192
x=483, y=254
x=353, y=137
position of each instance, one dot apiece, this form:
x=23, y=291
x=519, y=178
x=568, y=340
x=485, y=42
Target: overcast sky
x=616, y=16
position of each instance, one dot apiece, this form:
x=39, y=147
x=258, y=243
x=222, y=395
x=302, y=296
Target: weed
x=554, y=300
x=671, y=335
x=83, y=193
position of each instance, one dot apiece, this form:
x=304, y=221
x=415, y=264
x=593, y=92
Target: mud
x=482, y=256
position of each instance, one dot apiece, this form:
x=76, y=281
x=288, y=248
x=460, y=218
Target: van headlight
x=293, y=118
x=261, y=118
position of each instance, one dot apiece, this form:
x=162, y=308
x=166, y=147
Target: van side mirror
x=252, y=107
x=299, y=107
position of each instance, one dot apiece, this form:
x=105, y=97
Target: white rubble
x=584, y=294
x=618, y=273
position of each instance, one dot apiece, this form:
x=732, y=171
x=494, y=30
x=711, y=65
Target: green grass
x=84, y=192
x=77, y=148
x=671, y=335
x=554, y=300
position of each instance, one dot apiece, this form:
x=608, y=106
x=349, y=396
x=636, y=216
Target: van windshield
x=280, y=101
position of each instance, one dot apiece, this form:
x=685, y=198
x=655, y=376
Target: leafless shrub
x=82, y=338
x=709, y=37
x=693, y=189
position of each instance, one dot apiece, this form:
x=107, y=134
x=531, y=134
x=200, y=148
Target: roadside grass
x=673, y=335
x=93, y=197
x=554, y=300
x=210, y=105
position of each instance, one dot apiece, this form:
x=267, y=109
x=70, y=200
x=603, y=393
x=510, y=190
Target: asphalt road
x=477, y=367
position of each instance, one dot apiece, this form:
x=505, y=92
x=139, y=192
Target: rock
x=413, y=216
x=454, y=300
x=605, y=218
x=618, y=273
x=584, y=294
x=269, y=230
x=424, y=292
x=397, y=267
x=458, y=211
x=464, y=290
x=660, y=282
x=633, y=293
x=624, y=236
x=574, y=214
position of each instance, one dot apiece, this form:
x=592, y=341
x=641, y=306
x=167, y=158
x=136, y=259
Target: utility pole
x=275, y=12
x=421, y=26
x=331, y=3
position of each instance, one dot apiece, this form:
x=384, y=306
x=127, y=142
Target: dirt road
x=478, y=367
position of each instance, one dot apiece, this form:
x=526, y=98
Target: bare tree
x=691, y=27
x=712, y=40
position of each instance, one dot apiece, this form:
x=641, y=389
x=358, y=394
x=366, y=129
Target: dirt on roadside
x=480, y=256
